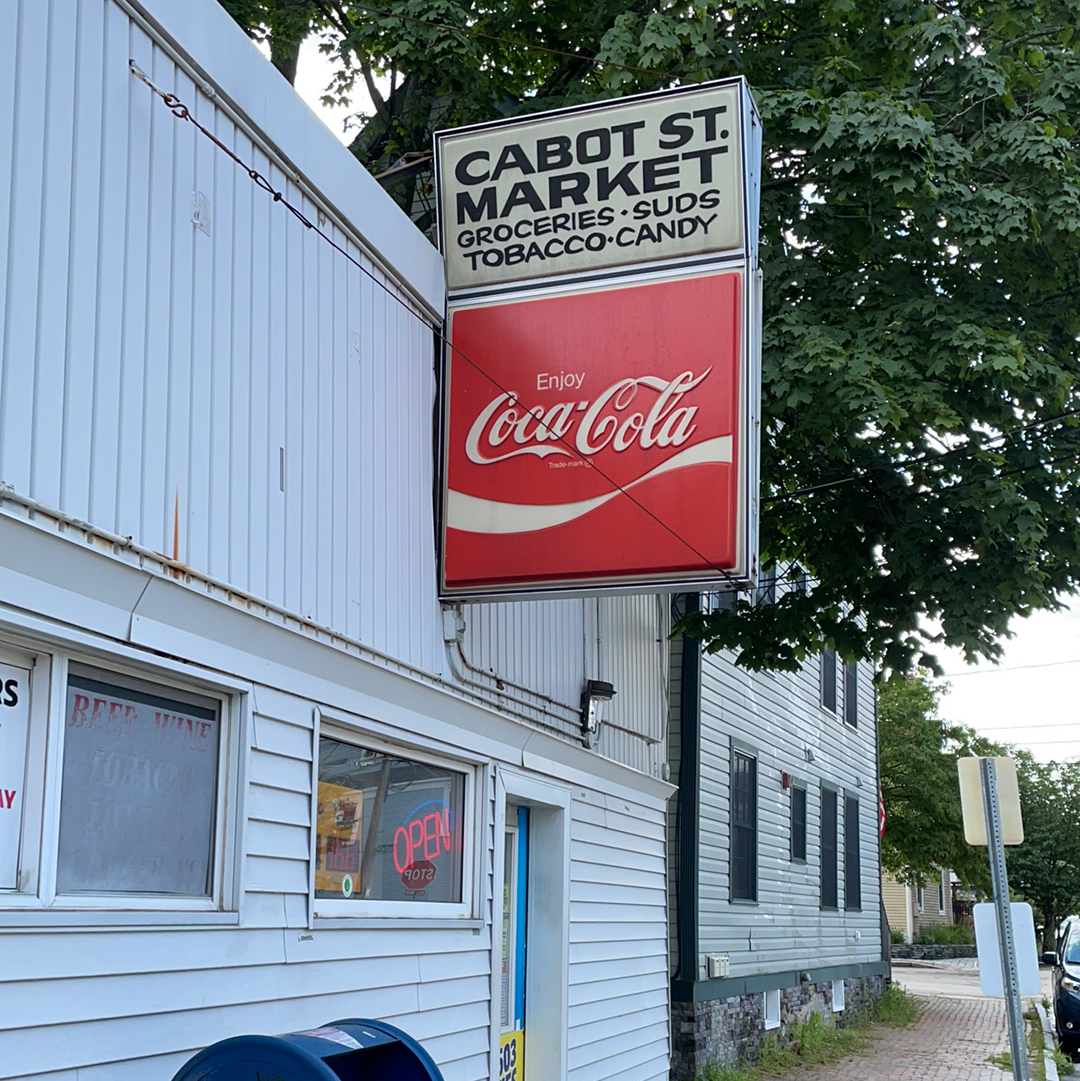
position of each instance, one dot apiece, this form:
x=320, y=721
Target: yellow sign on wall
x=512, y=1056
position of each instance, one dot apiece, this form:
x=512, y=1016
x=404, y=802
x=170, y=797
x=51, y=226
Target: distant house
x=910, y=908
x=774, y=877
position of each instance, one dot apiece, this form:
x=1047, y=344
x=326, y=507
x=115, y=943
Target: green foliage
x=896, y=936
x=1045, y=869
x=895, y=1008
x=936, y=934
x=919, y=784
x=920, y=244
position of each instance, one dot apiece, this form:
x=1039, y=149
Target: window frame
x=327, y=911
x=770, y=1008
x=852, y=855
x=37, y=901
x=750, y=754
x=828, y=695
x=800, y=787
x=833, y=849
x=941, y=892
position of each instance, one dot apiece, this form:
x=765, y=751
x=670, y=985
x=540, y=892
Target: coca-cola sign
x=594, y=438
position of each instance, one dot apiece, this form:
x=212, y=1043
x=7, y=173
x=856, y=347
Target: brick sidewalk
x=950, y=1041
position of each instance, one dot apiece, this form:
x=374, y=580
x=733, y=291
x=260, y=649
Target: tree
x=1045, y=869
x=920, y=243
x=920, y=787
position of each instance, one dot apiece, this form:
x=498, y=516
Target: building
x=911, y=908
x=774, y=874
x=255, y=778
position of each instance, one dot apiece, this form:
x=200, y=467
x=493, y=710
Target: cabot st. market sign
x=600, y=385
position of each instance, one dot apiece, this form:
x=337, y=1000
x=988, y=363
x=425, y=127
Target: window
x=837, y=995
x=388, y=828
x=828, y=679
x=139, y=789
x=771, y=1008
x=828, y=848
x=941, y=894
x=919, y=899
x=798, y=823
x=743, y=826
x=852, y=861
x=766, y=585
x=120, y=784
x=851, y=694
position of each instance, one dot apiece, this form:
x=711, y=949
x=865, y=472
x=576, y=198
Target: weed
x=1063, y=1062
x=775, y=1058
x=895, y=1008
x=1004, y=1060
x=953, y=934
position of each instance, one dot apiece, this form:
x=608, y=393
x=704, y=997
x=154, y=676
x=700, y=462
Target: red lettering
x=98, y=712
x=78, y=711
x=401, y=862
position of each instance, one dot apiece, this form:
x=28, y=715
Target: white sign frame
x=15, y=685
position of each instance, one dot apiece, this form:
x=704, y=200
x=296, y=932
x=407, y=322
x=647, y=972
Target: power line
x=182, y=112
x=1007, y=668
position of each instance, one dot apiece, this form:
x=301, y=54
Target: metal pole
x=1010, y=977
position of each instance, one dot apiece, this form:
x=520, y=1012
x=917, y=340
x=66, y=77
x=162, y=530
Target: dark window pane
x=743, y=827
x=828, y=679
x=851, y=694
x=798, y=823
x=828, y=848
x=852, y=865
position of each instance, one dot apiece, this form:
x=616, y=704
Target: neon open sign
x=425, y=836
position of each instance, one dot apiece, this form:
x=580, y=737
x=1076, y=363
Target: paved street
x=957, y=1031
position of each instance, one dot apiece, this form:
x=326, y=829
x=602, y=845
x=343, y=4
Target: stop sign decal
x=418, y=875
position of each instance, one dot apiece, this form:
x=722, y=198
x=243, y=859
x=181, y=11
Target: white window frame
x=357, y=732
x=838, y=998
x=941, y=892
x=770, y=1008
x=37, y=901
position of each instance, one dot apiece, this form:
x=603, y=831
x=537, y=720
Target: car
x=1065, y=961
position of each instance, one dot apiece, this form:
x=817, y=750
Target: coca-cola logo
x=619, y=418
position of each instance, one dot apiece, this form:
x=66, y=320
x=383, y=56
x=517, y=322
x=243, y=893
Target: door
x=512, y=1004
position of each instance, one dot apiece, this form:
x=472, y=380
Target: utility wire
x=182, y=112
x=1008, y=668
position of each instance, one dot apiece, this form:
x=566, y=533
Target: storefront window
x=139, y=790
x=387, y=828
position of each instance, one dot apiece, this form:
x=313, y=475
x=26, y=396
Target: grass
x=1036, y=1045
x=814, y=1042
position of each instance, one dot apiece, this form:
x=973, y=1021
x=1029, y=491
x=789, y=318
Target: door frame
x=547, y=920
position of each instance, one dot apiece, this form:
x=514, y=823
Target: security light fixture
x=595, y=692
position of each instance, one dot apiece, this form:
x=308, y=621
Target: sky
x=1030, y=699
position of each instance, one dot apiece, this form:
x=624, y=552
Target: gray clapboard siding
x=777, y=717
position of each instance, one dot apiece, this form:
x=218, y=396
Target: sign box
x=600, y=388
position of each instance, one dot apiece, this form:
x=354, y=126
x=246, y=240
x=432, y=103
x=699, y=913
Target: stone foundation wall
x=930, y=953
x=729, y=1031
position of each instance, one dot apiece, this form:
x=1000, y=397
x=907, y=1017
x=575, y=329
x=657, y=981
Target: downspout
x=688, y=803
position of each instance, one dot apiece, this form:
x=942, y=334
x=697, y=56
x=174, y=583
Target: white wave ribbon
x=470, y=514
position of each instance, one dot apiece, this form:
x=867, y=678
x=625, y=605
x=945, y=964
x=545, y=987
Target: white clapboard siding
x=618, y=967
x=777, y=717
x=183, y=362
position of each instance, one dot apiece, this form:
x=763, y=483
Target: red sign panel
x=592, y=438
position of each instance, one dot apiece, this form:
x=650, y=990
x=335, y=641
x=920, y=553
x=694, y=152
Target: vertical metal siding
x=242, y=372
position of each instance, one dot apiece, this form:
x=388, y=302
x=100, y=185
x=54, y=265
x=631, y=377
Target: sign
x=587, y=418
x=339, y=823
x=14, y=733
x=419, y=875
x=988, y=947
x=512, y=1056
x=600, y=385
x=637, y=180
x=971, y=801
